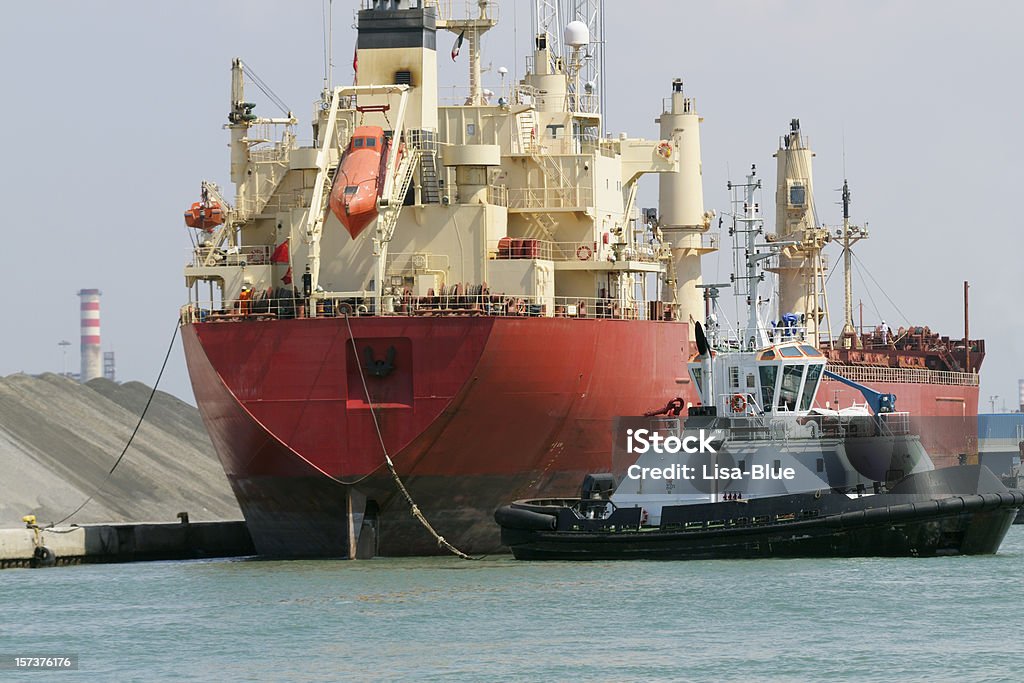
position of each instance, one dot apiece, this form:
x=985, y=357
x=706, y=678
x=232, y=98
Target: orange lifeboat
x=203, y=216
x=360, y=179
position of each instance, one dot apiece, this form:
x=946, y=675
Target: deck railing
x=863, y=373
x=529, y=248
x=262, y=306
x=252, y=255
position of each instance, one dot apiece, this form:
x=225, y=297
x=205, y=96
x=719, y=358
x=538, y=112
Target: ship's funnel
x=397, y=43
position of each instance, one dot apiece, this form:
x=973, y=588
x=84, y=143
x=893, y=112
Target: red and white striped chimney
x=92, y=358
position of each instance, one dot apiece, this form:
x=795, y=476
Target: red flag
x=280, y=254
x=355, y=59
x=287, y=279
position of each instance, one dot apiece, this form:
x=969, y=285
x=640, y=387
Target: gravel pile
x=59, y=438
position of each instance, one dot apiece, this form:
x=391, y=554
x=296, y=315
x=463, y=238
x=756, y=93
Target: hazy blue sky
x=114, y=112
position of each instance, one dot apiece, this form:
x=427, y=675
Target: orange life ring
x=738, y=403
x=583, y=252
x=664, y=149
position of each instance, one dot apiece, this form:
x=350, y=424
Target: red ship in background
x=501, y=305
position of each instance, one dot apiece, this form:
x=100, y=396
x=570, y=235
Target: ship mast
x=749, y=224
x=851, y=234
x=472, y=30
x=800, y=266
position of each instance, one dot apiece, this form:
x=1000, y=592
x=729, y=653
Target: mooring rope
x=135, y=431
x=441, y=540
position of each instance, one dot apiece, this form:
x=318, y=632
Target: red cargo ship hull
x=472, y=410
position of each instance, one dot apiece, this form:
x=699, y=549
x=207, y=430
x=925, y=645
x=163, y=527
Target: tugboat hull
x=908, y=522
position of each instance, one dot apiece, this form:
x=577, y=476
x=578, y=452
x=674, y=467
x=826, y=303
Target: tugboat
x=756, y=471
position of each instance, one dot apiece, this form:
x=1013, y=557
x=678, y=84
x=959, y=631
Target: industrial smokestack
x=92, y=358
x=1020, y=391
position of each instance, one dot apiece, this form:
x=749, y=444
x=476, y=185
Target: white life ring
x=583, y=252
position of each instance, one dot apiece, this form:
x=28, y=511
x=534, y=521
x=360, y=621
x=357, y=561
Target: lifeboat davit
x=360, y=179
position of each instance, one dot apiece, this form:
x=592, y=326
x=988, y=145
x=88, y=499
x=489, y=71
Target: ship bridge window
x=768, y=375
x=797, y=195
x=357, y=143
x=810, y=385
x=789, y=387
x=810, y=350
x=790, y=352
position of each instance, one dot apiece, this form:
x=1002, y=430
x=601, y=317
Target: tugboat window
x=768, y=375
x=790, y=386
x=697, y=379
x=813, y=373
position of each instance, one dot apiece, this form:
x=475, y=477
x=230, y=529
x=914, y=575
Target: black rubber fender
x=952, y=504
x=43, y=557
x=509, y=517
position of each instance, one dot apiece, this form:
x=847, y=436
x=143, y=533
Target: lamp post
x=64, y=344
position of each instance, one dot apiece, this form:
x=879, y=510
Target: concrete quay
x=124, y=542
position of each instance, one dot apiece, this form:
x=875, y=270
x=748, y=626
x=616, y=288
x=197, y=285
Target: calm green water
x=782, y=620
